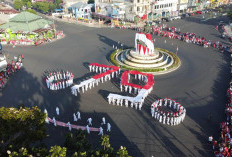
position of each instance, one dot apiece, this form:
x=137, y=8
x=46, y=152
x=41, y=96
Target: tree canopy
x=21, y=127
x=18, y=4
x=22, y=130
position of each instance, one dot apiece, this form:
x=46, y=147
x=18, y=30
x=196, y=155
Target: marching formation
x=76, y=117
x=141, y=91
x=174, y=116
x=59, y=80
x=106, y=73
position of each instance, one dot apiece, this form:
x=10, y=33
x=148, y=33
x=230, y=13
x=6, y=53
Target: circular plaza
x=197, y=84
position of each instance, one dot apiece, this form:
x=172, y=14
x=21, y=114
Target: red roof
x=9, y=11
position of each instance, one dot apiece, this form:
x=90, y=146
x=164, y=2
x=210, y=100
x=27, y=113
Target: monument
x=145, y=57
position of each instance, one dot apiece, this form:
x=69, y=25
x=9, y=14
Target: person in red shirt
x=214, y=144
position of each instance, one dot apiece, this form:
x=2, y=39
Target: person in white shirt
x=57, y=111
x=103, y=121
x=101, y=131
x=87, y=129
x=78, y=115
x=69, y=126
x=108, y=127
x=74, y=117
x=54, y=121
x=89, y=120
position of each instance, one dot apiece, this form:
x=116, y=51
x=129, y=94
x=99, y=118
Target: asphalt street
x=200, y=85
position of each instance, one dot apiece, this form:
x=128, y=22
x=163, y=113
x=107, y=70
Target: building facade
x=123, y=9
x=182, y=6
x=164, y=8
x=81, y=10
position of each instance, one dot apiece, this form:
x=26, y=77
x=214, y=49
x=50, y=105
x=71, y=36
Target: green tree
x=25, y=2
x=18, y=4
x=77, y=143
x=40, y=150
x=44, y=7
x=122, y=152
x=107, y=149
x=35, y=5
x=57, y=3
x=57, y=151
x=22, y=153
x=20, y=127
x=51, y=7
x=28, y=4
x=31, y=11
x=41, y=6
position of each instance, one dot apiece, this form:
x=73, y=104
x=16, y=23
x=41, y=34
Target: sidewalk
x=73, y=20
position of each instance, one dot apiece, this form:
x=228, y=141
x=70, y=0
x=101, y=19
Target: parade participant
x=164, y=119
x=87, y=129
x=108, y=127
x=74, y=117
x=152, y=112
x=168, y=119
x=78, y=115
x=155, y=116
x=54, y=121
x=57, y=111
x=69, y=126
x=103, y=121
x=89, y=120
x=101, y=131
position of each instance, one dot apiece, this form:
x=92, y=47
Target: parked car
x=199, y=12
x=157, y=21
x=165, y=19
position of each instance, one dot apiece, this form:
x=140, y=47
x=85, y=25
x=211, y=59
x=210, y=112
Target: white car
x=176, y=17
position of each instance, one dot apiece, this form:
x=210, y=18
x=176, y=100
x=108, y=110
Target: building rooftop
x=26, y=22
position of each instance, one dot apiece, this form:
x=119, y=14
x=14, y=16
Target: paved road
x=199, y=85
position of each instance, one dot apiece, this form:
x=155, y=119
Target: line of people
x=9, y=69
x=106, y=73
x=222, y=146
x=76, y=117
x=174, y=116
x=174, y=33
x=59, y=80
